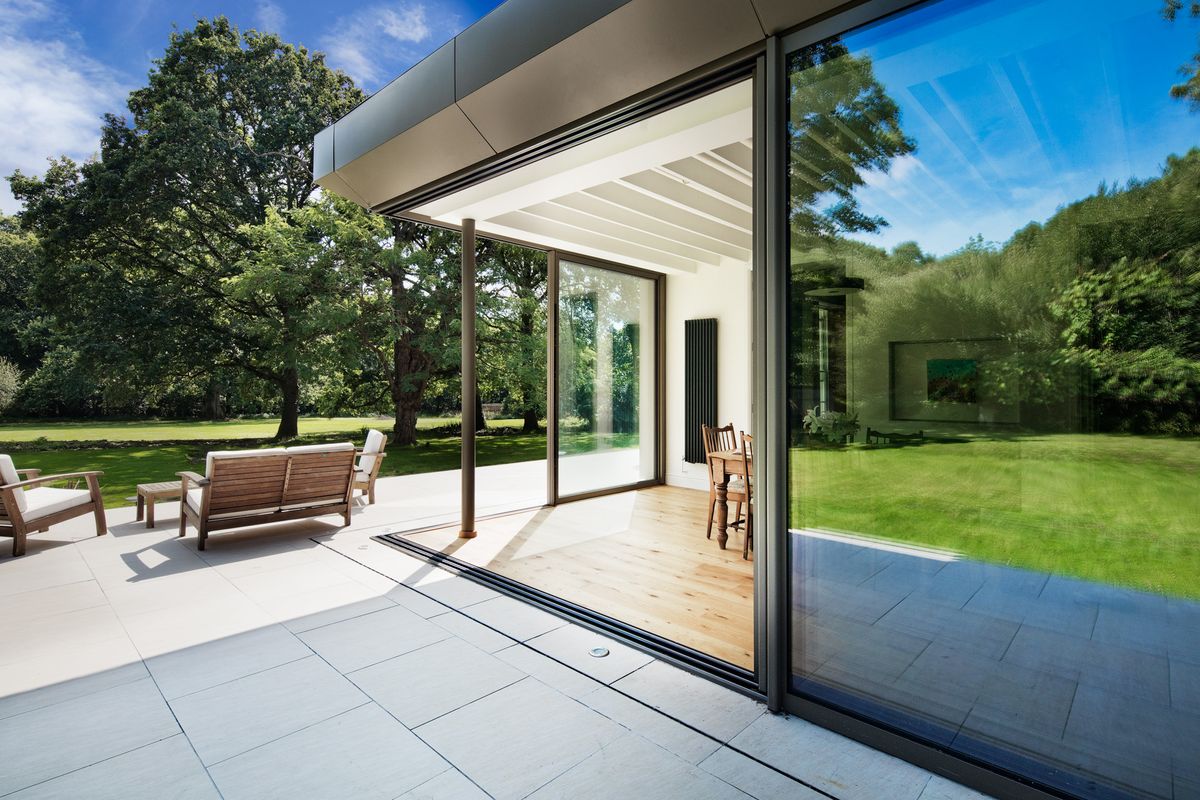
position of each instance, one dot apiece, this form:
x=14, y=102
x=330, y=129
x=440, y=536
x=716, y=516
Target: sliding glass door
x=994, y=374
x=607, y=365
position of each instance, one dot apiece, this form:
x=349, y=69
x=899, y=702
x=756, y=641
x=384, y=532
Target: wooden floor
x=639, y=556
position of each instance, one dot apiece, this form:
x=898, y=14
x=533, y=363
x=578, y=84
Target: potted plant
x=832, y=427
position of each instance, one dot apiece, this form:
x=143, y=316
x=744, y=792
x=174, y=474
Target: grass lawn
x=1117, y=509
x=127, y=466
x=1111, y=508
x=175, y=430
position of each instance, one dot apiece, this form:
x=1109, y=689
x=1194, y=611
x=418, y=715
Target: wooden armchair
x=370, y=459
x=30, y=506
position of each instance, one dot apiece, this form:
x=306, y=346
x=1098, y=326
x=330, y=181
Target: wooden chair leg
x=748, y=539
x=202, y=536
x=371, y=493
x=737, y=515
x=712, y=508
x=101, y=522
x=18, y=544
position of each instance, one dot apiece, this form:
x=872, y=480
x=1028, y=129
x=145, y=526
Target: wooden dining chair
x=748, y=459
x=718, y=440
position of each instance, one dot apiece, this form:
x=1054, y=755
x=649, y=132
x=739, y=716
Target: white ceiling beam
x=585, y=221
x=712, y=241
x=675, y=192
x=741, y=154
x=712, y=180
x=650, y=205
x=538, y=229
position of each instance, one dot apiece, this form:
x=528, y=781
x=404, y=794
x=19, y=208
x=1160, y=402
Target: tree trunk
x=214, y=401
x=289, y=421
x=404, y=432
x=531, y=421
x=480, y=420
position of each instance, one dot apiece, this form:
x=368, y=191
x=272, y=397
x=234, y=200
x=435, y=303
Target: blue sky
x=1021, y=106
x=64, y=63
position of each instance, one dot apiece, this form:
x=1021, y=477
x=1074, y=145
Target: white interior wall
x=723, y=293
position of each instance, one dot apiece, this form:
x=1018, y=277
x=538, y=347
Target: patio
x=312, y=661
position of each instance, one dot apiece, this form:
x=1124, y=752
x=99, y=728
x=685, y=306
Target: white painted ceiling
x=669, y=193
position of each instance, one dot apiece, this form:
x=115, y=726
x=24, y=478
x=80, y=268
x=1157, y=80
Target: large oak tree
x=164, y=219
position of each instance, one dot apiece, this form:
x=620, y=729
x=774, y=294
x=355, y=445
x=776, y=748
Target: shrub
x=10, y=383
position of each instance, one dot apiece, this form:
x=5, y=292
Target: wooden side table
x=150, y=493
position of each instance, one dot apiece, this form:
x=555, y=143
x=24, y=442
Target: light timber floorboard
x=639, y=556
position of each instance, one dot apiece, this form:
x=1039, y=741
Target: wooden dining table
x=726, y=464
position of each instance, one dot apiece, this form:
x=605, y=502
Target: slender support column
x=469, y=388
x=552, y=378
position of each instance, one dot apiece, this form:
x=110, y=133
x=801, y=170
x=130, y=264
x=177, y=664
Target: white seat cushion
x=196, y=496
x=45, y=500
x=8, y=474
x=374, y=444
x=361, y=477
x=320, y=448
x=223, y=454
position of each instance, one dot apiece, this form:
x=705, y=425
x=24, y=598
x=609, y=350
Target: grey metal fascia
x=515, y=32
x=415, y=96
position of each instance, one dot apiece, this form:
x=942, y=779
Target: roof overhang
x=529, y=68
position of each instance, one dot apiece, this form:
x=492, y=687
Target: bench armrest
x=361, y=453
x=190, y=477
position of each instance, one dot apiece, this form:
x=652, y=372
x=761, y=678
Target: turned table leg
x=722, y=504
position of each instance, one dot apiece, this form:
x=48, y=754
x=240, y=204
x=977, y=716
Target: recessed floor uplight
x=598, y=652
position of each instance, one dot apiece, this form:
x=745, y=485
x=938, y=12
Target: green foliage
x=20, y=326
x=842, y=124
x=512, y=330
x=10, y=383
x=1101, y=302
x=148, y=247
x=1189, y=89
x=406, y=330
x=61, y=386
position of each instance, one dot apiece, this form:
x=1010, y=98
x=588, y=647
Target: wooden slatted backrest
x=319, y=475
x=246, y=482
x=717, y=440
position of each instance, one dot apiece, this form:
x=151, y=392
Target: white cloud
x=52, y=96
x=269, y=17
x=373, y=43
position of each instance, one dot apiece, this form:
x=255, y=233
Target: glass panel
x=606, y=324
x=510, y=448
x=994, y=385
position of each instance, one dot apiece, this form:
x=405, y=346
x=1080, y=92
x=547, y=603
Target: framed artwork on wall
x=943, y=380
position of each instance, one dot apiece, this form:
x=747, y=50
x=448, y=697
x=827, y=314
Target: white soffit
x=668, y=193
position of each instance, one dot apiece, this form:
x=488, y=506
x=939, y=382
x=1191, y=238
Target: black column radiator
x=699, y=384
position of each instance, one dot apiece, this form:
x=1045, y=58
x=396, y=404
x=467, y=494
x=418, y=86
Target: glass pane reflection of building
x=994, y=377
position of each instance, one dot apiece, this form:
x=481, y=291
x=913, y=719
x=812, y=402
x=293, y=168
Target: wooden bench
x=256, y=487
x=894, y=437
